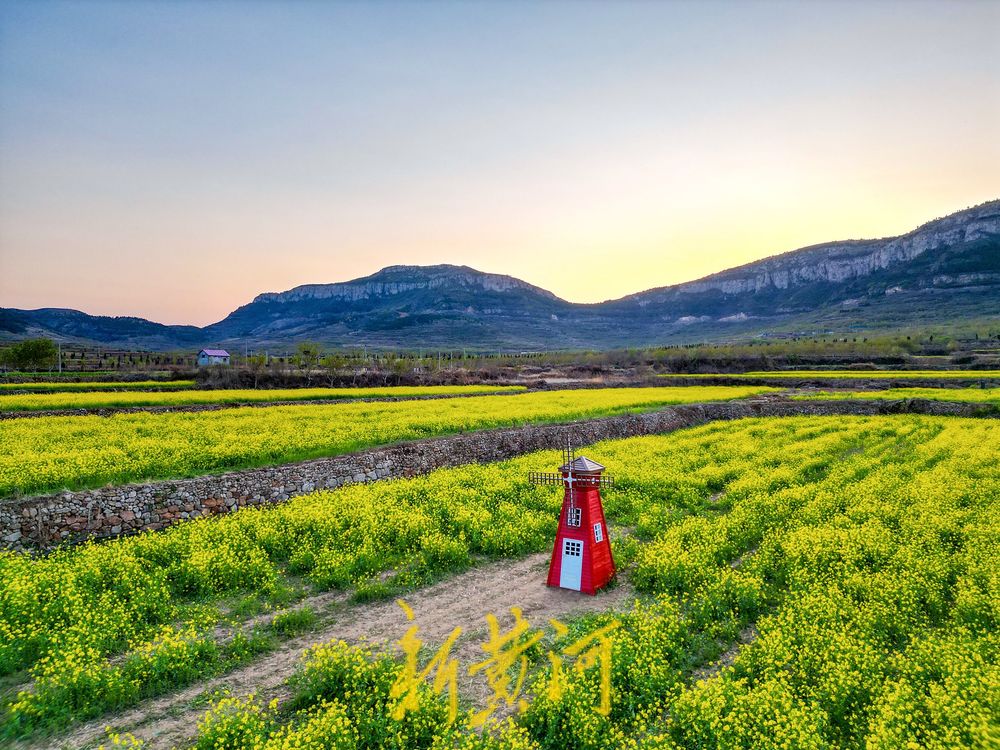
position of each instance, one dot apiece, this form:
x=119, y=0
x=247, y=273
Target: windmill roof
x=582, y=464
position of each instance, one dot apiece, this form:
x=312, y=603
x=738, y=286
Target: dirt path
x=707, y=671
x=461, y=601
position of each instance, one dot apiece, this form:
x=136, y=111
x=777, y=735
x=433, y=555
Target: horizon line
x=517, y=278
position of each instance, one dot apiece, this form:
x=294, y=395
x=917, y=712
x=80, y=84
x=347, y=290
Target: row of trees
x=312, y=360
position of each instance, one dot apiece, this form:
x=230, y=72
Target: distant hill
x=409, y=306
x=73, y=325
x=945, y=271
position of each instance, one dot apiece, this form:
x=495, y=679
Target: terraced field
x=797, y=582
x=961, y=395
x=99, y=400
x=50, y=453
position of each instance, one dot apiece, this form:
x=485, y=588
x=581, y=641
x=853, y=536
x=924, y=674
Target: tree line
x=30, y=355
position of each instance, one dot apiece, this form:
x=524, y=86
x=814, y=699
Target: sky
x=172, y=160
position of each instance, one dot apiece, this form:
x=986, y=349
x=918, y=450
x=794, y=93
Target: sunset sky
x=171, y=160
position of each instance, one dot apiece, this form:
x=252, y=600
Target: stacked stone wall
x=42, y=522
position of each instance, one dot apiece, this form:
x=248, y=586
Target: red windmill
x=581, y=556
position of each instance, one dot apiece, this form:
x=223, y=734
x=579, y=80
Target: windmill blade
x=545, y=478
x=548, y=478
x=568, y=452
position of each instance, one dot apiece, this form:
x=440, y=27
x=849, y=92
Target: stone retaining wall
x=45, y=521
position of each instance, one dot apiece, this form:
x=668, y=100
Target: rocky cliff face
x=841, y=261
x=394, y=280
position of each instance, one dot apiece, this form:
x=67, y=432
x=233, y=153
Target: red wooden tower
x=581, y=556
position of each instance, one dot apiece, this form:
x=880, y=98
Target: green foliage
x=30, y=354
x=235, y=723
x=361, y=684
x=294, y=621
x=75, y=685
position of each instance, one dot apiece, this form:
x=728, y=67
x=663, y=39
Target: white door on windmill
x=571, y=566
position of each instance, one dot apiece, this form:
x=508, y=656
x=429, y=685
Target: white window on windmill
x=574, y=516
x=598, y=532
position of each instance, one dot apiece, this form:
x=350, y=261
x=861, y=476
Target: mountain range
x=945, y=271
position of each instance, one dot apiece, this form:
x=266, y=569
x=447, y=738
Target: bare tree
x=307, y=358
